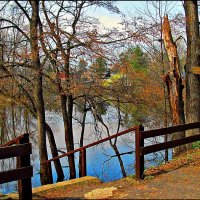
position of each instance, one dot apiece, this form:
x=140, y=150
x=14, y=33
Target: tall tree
x=38, y=91
x=193, y=60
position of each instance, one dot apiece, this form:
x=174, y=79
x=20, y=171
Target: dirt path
x=183, y=183
x=178, y=179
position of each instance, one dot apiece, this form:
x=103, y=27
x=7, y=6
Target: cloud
x=110, y=21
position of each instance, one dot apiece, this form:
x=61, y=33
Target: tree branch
x=29, y=19
x=15, y=26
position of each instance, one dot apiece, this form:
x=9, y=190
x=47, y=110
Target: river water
x=101, y=161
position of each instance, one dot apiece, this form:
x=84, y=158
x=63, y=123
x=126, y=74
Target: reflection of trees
x=7, y=164
x=14, y=120
x=24, y=123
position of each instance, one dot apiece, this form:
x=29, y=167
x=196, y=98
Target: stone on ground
x=102, y=193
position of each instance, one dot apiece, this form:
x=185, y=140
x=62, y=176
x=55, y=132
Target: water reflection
x=101, y=159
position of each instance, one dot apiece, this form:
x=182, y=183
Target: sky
x=109, y=19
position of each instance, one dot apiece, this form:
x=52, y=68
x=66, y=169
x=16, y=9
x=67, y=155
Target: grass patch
x=196, y=145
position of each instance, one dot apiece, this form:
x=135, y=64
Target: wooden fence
x=23, y=171
x=82, y=150
x=141, y=150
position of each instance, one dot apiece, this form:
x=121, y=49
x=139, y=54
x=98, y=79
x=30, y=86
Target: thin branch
x=15, y=26
x=29, y=19
x=121, y=154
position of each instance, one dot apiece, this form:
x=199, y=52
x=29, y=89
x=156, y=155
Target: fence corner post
x=82, y=163
x=139, y=159
x=24, y=185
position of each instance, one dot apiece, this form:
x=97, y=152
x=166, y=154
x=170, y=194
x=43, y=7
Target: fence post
x=139, y=142
x=24, y=185
x=82, y=163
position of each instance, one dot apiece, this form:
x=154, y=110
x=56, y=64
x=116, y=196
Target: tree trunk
x=193, y=60
x=3, y=125
x=174, y=83
x=38, y=92
x=67, y=107
x=13, y=120
x=54, y=152
x=26, y=120
x=114, y=146
x=67, y=112
x=82, y=136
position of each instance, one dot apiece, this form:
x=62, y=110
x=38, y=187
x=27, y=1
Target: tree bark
x=82, y=136
x=13, y=120
x=174, y=83
x=193, y=60
x=38, y=92
x=3, y=125
x=114, y=146
x=67, y=107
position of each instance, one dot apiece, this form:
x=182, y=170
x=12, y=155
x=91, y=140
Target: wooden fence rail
x=141, y=150
x=82, y=150
x=24, y=170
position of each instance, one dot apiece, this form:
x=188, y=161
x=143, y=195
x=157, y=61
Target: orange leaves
x=152, y=93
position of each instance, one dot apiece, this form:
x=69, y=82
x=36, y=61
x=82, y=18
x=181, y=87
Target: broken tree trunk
x=174, y=83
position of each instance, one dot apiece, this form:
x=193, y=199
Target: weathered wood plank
x=167, y=145
x=16, y=174
x=14, y=141
x=169, y=130
x=14, y=151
